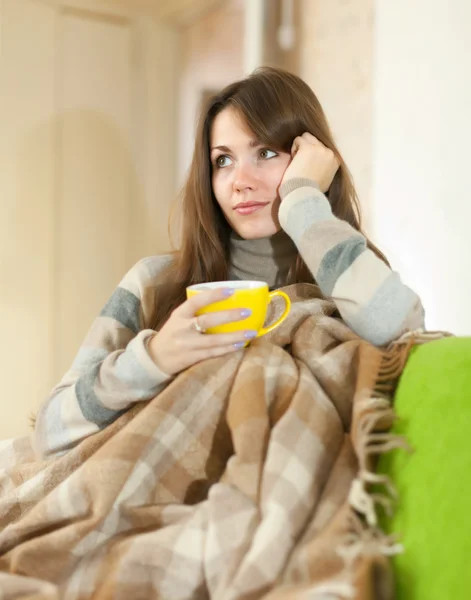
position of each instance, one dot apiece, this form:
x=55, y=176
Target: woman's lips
x=249, y=208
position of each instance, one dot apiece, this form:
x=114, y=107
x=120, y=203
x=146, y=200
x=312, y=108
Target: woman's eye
x=222, y=161
x=266, y=153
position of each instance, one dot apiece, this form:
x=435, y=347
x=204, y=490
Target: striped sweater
x=113, y=368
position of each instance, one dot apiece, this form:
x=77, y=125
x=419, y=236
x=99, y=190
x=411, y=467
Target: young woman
x=268, y=197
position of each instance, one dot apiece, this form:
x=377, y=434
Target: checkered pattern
x=231, y=484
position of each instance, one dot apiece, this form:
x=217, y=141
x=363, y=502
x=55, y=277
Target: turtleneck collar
x=266, y=259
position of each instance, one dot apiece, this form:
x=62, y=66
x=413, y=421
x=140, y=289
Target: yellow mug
x=253, y=295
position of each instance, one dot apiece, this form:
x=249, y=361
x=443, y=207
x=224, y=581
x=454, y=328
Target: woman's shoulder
x=145, y=272
x=151, y=266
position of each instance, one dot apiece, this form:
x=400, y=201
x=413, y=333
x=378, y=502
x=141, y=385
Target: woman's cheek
x=277, y=175
x=218, y=189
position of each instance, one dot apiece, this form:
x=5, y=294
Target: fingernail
x=245, y=312
x=249, y=335
x=228, y=292
x=239, y=345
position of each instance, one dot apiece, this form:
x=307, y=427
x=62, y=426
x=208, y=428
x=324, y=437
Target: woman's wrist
x=301, y=208
x=294, y=183
x=152, y=349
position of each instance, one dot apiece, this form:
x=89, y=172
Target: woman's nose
x=244, y=178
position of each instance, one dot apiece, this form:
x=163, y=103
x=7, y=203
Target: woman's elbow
x=382, y=325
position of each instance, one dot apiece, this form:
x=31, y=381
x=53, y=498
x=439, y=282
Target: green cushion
x=433, y=513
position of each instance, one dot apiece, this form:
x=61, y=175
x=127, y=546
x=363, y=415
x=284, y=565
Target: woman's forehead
x=229, y=127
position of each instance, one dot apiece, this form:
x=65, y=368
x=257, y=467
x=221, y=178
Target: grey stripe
x=91, y=407
x=311, y=209
x=382, y=319
x=125, y=308
x=337, y=260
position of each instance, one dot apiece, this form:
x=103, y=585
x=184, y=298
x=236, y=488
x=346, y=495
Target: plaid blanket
x=246, y=478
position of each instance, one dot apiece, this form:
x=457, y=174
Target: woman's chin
x=256, y=231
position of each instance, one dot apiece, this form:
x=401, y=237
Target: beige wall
x=27, y=196
x=336, y=60
x=86, y=98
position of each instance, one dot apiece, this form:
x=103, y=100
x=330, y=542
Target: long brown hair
x=277, y=106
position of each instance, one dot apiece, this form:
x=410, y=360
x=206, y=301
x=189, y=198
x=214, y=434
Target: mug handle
x=265, y=330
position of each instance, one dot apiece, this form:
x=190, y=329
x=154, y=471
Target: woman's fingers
x=312, y=160
x=190, y=307
x=213, y=319
x=178, y=345
x=222, y=317
x=295, y=146
x=304, y=139
x=311, y=139
x=209, y=343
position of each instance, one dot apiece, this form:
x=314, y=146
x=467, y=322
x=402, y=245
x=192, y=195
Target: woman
x=268, y=197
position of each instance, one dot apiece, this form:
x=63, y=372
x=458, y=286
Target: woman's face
x=245, y=177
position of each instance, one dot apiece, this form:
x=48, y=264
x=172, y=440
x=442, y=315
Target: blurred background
x=98, y=100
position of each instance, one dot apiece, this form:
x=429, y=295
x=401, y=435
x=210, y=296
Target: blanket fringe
x=365, y=541
x=373, y=438
x=340, y=590
x=420, y=336
x=375, y=417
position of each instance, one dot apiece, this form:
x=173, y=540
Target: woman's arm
x=112, y=370
x=371, y=298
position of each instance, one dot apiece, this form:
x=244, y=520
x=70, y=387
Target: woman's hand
x=178, y=345
x=312, y=160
